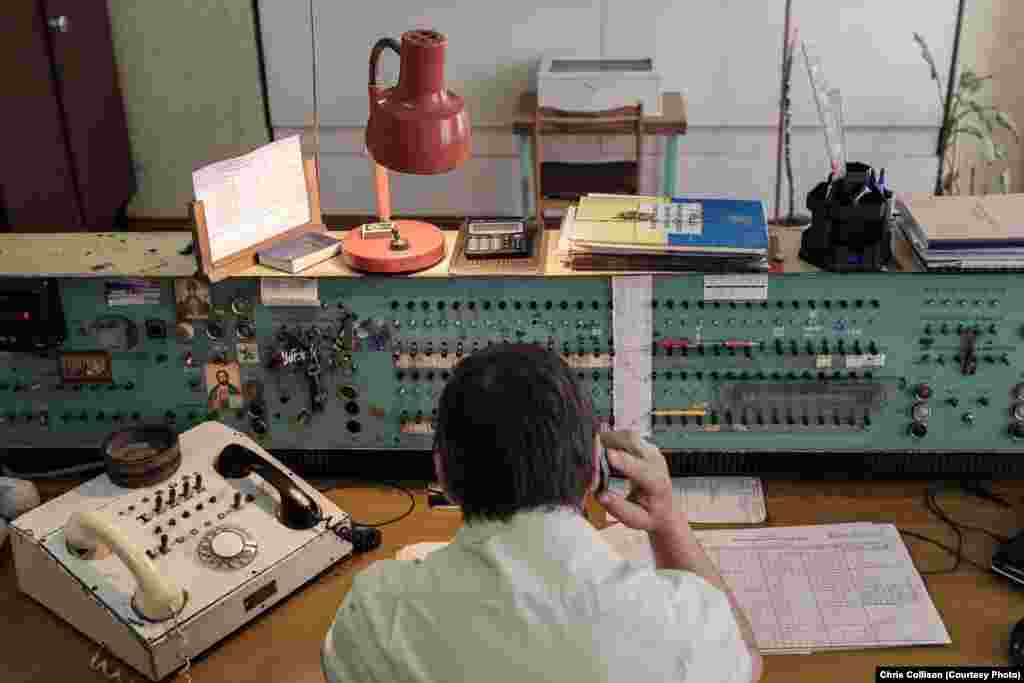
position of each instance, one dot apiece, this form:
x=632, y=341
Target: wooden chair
x=560, y=184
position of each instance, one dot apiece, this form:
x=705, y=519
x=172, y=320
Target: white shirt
x=540, y=598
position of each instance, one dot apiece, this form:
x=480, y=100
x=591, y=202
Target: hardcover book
x=676, y=225
x=295, y=255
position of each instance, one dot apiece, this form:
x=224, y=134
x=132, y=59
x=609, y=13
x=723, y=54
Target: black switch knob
x=918, y=429
x=238, y=499
x=199, y=482
x=172, y=495
x=1017, y=430
x=163, y=544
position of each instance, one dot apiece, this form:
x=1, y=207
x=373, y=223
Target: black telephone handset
x=298, y=510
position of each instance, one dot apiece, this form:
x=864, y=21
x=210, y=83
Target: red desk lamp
x=415, y=127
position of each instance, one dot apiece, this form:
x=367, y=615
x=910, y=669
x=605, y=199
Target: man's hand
x=650, y=505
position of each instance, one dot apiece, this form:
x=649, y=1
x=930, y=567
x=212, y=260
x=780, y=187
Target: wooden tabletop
x=977, y=606
x=671, y=121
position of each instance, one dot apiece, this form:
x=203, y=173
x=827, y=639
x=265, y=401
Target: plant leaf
x=985, y=143
x=982, y=114
x=1004, y=181
x=1004, y=120
x=969, y=82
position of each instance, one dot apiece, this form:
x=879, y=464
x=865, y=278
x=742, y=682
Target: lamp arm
x=375, y=55
x=380, y=174
x=380, y=177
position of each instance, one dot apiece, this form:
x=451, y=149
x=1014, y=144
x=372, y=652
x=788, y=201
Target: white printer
x=582, y=84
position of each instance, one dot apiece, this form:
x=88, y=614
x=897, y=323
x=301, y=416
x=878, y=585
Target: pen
x=881, y=182
x=828, y=187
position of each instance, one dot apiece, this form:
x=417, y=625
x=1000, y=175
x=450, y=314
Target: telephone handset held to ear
x=605, y=469
x=298, y=510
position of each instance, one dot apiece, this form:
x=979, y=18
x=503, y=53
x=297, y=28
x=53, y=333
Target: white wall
x=722, y=54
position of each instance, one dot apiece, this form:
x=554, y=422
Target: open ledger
x=807, y=588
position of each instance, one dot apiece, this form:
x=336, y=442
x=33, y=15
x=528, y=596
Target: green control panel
x=807, y=363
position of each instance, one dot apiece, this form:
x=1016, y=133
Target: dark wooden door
x=97, y=131
x=37, y=182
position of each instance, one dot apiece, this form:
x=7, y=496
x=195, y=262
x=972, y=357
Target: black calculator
x=497, y=239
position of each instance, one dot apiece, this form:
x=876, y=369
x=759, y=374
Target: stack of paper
x=637, y=233
x=966, y=233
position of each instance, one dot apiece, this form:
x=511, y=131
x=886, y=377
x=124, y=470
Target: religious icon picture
x=192, y=299
x=223, y=384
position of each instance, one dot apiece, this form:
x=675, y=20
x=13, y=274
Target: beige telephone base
x=227, y=557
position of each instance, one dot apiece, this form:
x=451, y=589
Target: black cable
x=941, y=514
x=932, y=505
x=412, y=506
x=929, y=503
x=950, y=550
x=407, y=492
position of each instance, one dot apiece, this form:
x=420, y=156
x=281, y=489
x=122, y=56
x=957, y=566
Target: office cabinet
x=65, y=159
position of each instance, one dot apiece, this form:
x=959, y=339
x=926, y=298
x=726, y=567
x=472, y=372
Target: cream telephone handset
x=162, y=572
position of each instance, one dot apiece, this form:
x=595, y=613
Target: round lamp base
x=424, y=247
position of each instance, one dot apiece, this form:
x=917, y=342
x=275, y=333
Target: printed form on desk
x=819, y=587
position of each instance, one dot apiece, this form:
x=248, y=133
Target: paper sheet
x=807, y=588
x=715, y=500
x=289, y=291
x=253, y=197
x=633, y=333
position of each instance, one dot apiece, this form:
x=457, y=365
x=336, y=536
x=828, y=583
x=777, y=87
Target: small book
x=295, y=255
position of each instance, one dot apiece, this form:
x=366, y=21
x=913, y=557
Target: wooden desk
x=671, y=123
x=978, y=607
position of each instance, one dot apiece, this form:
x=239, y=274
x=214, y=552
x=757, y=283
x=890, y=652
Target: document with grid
x=811, y=588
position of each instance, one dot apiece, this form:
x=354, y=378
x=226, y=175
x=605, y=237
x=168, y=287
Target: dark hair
x=514, y=432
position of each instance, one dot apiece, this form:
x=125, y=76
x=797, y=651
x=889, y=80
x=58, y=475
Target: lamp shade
x=417, y=126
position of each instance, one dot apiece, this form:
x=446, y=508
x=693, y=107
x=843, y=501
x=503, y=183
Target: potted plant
x=968, y=115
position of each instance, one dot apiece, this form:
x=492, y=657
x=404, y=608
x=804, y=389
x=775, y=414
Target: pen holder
x=850, y=227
